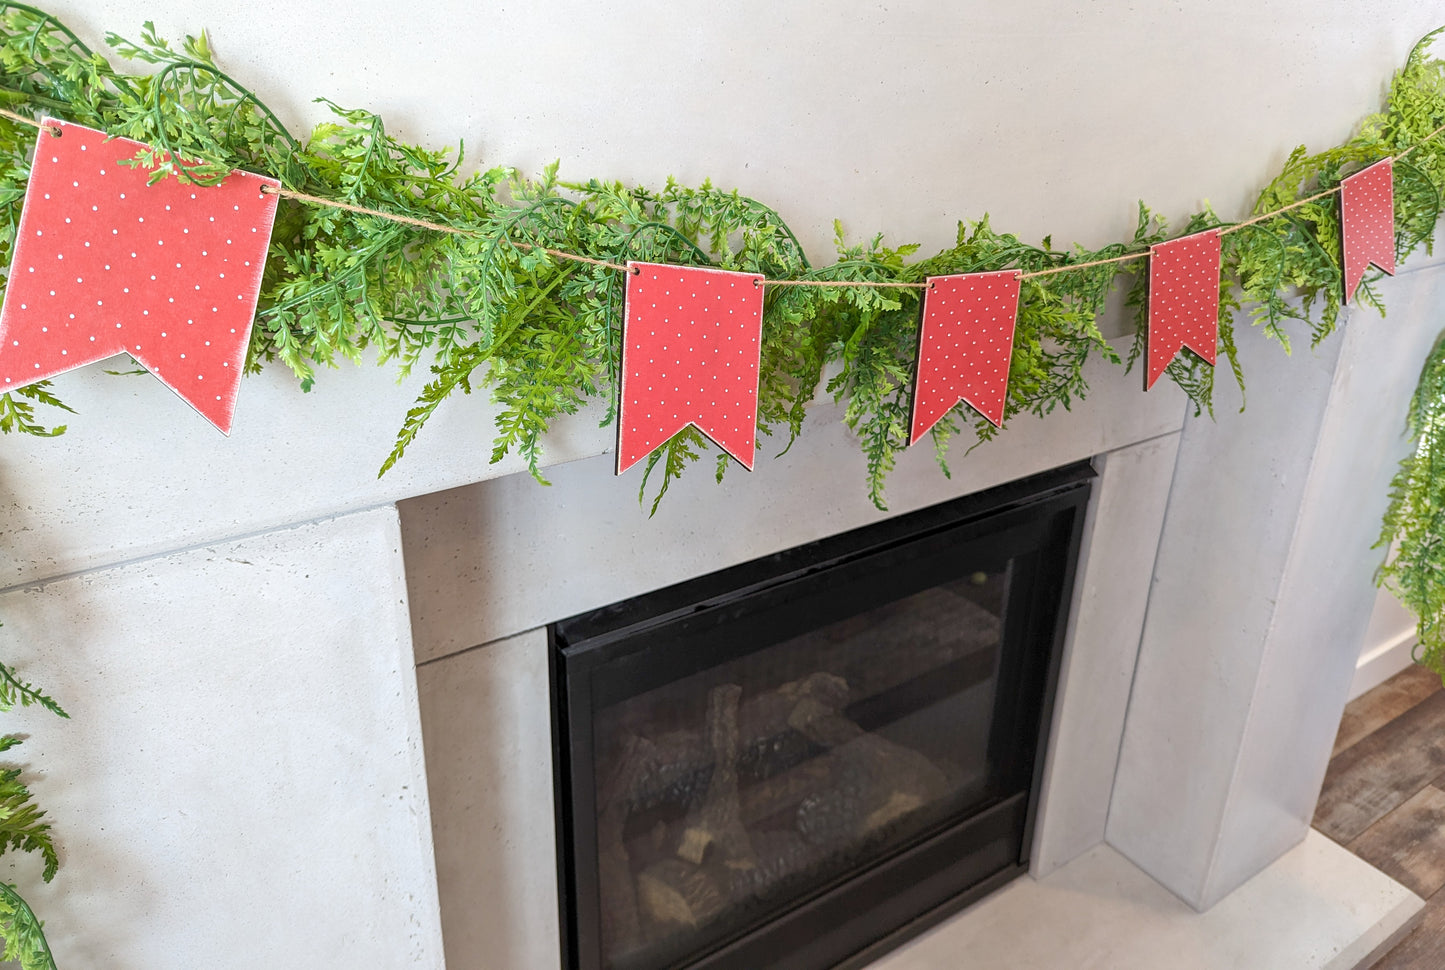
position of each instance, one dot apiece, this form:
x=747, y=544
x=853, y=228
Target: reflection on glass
x=735, y=791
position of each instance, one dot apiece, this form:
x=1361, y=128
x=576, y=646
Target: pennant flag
x=1183, y=300
x=104, y=264
x=1367, y=215
x=965, y=344
x=691, y=340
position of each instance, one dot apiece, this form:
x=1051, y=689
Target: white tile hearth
x=1315, y=908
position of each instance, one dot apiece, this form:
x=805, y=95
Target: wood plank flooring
x=1382, y=705
x=1384, y=800
x=1382, y=770
x=1408, y=845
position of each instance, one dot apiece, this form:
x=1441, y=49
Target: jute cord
x=576, y=257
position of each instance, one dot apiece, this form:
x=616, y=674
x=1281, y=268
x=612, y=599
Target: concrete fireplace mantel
x=1294, y=495
x=309, y=721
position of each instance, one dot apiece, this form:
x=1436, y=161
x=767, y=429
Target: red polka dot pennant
x=1183, y=300
x=691, y=340
x=1367, y=214
x=104, y=264
x=965, y=345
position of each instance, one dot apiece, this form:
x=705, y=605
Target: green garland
x=542, y=336
x=22, y=827
x=1414, y=525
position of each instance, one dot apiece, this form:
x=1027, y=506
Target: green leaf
x=21, y=933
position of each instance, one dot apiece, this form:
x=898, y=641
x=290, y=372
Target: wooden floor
x=1384, y=799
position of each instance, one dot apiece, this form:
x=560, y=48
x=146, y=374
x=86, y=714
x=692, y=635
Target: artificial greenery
x=22, y=937
x=22, y=934
x=541, y=335
x=488, y=309
x=1415, y=523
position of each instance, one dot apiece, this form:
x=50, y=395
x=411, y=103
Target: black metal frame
x=619, y=651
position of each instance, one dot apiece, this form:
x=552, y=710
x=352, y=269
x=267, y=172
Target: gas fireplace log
x=675, y=771
x=621, y=926
x=851, y=786
x=822, y=725
x=828, y=690
x=681, y=762
x=673, y=892
x=782, y=792
x=782, y=858
x=876, y=782
x=717, y=823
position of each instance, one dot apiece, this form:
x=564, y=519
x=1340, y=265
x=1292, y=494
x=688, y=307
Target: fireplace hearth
x=804, y=759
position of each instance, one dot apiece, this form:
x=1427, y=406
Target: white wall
x=901, y=117
x=1389, y=641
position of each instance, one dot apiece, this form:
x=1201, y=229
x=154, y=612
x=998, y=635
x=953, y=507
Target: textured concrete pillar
x=1105, y=620
x=1262, y=592
x=241, y=782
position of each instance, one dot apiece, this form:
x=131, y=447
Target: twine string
x=1406, y=152
x=880, y=284
x=13, y=116
x=1282, y=209
x=577, y=257
x=1071, y=266
x=1226, y=230
x=426, y=224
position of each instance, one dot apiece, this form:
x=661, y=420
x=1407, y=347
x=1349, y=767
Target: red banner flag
x=1367, y=217
x=1183, y=300
x=691, y=340
x=104, y=264
x=965, y=344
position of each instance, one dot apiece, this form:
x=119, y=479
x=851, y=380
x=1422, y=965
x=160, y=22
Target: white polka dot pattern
x=1367, y=217
x=965, y=346
x=104, y=264
x=691, y=342
x=1183, y=300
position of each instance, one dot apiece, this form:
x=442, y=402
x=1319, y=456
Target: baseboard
x=1383, y=662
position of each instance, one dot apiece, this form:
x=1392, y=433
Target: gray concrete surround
x=1224, y=591
x=247, y=707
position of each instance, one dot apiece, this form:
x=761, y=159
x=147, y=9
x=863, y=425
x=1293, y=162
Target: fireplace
x=804, y=759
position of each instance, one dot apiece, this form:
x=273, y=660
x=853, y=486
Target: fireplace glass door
x=784, y=763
